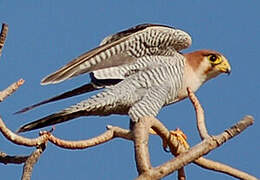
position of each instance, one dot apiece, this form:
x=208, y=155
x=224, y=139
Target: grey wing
x=124, y=48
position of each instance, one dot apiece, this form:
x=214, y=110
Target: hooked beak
x=224, y=66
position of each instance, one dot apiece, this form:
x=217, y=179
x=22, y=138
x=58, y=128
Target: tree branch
x=19, y=140
x=220, y=167
x=206, y=163
x=197, y=151
x=141, y=137
x=111, y=133
x=31, y=160
x=10, y=90
x=201, y=125
x=3, y=36
x=6, y=159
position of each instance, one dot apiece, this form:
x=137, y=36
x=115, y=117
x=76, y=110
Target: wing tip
x=43, y=83
x=21, y=129
x=47, y=81
x=22, y=110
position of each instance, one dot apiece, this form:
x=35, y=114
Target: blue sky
x=44, y=35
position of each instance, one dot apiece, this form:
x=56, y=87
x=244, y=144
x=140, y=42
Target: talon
x=166, y=149
x=151, y=131
x=52, y=129
x=165, y=144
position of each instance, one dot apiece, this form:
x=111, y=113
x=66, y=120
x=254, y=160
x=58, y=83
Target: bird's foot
x=176, y=135
x=181, y=137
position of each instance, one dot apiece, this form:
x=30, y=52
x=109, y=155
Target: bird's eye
x=214, y=59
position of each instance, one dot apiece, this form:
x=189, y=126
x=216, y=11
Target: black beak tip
x=228, y=72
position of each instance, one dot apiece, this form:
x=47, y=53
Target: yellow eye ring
x=215, y=59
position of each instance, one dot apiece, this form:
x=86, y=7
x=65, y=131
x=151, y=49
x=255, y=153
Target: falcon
x=141, y=70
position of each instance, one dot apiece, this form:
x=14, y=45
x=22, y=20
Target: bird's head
x=208, y=64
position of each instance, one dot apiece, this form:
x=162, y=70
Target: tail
x=51, y=120
x=80, y=90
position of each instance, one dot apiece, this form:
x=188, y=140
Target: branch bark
x=3, y=36
x=201, y=125
x=10, y=90
x=141, y=138
x=19, y=140
x=31, y=160
x=7, y=159
x=198, y=150
x=111, y=133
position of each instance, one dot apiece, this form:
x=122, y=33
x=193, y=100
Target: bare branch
x=237, y=128
x=111, y=133
x=141, y=137
x=11, y=89
x=32, y=159
x=219, y=167
x=6, y=159
x=181, y=174
x=209, y=164
x=201, y=125
x=3, y=36
x=19, y=140
x=197, y=151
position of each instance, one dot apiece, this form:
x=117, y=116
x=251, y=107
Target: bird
x=140, y=70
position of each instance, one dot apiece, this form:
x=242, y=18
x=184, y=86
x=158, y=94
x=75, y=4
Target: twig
x=201, y=125
x=181, y=174
x=11, y=89
x=220, y=167
x=3, y=36
x=32, y=159
x=6, y=159
x=16, y=139
x=111, y=133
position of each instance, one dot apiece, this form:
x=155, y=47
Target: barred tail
x=51, y=120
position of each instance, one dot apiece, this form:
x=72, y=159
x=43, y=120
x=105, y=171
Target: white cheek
x=204, y=65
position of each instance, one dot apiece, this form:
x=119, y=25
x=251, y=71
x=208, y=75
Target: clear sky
x=44, y=35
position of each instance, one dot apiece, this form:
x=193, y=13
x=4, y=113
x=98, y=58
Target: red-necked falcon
x=141, y=70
